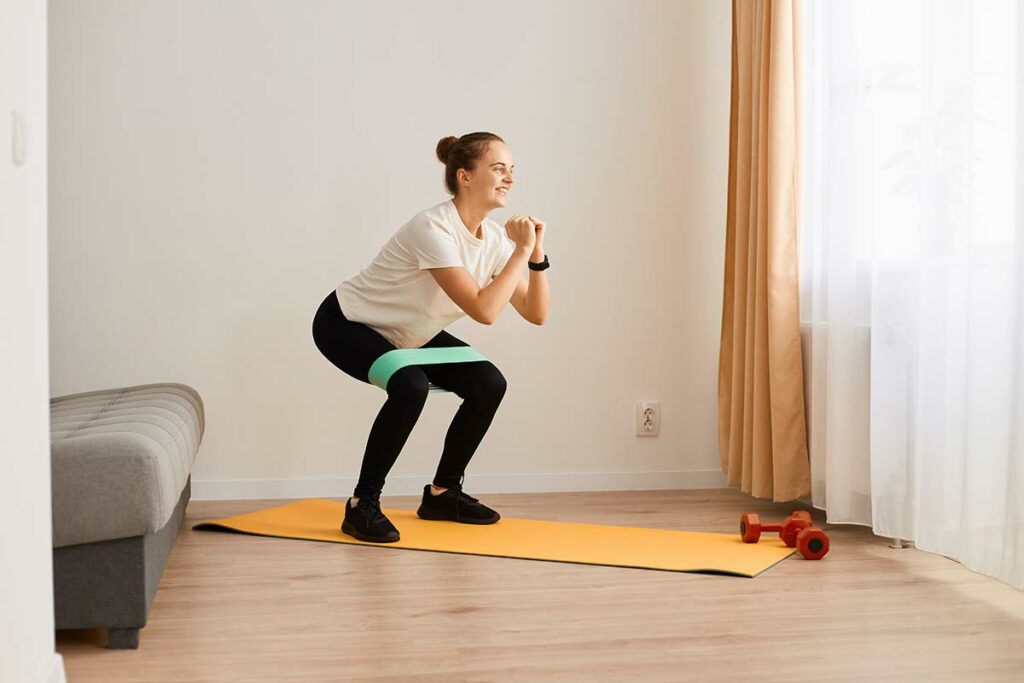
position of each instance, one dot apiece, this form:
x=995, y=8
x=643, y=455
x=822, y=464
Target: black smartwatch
x=543, y=265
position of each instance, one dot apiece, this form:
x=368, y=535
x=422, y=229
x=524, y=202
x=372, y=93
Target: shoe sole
x=347, y=528
x=439, y=516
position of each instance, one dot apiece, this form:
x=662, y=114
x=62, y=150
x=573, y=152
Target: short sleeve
x=505, y=253
x=433, y=247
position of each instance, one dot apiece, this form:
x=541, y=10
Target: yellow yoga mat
x=317, y=519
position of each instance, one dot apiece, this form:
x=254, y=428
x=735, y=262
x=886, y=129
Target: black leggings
x=353, y=347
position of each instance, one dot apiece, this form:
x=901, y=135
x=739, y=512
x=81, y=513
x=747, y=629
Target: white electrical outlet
x=648, y=418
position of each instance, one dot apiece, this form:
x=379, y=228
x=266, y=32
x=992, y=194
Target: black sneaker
x=366, y=522
x=457, y=506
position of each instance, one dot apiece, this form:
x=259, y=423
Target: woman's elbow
x=484, y=318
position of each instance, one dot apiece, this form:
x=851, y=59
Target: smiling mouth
x=502, y=190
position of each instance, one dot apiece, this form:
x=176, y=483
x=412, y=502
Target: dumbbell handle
x=771, y=527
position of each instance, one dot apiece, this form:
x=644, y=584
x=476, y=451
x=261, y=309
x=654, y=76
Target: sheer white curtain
x=912, y=286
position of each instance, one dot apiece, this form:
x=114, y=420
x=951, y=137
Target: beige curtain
x=761, y=421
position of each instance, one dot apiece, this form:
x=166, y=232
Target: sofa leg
x=123, y=638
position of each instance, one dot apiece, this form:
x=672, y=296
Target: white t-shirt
x=397, y=297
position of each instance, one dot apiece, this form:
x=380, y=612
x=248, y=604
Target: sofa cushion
x=120, y=459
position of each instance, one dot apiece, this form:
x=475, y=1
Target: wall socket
x=648, y=418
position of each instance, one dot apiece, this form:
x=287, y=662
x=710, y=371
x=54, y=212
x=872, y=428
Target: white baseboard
x=255, y=489
x=55, y=672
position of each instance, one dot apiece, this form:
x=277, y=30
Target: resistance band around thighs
x=393, y=361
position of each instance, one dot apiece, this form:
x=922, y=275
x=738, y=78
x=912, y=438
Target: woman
x=448, y=261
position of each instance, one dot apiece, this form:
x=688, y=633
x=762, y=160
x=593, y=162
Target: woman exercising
x=448, y=261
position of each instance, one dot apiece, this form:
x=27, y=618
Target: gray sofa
x=121, y=462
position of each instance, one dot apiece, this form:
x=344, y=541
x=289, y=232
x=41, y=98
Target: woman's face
x=490, y=182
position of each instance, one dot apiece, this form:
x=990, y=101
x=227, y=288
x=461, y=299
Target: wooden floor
x=243, y=608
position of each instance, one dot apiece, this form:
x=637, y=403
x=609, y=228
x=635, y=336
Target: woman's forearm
x=494, y=296
x=537, y=298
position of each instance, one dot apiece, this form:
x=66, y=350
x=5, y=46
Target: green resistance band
x=393, y=361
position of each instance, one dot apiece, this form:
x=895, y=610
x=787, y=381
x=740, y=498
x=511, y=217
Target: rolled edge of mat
x=217, y=526
x=391, y=362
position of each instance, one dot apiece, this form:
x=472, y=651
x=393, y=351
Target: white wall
x=26, y=562
x=218, y=168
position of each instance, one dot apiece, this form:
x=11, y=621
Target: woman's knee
x=409, y=384
x=489, y=383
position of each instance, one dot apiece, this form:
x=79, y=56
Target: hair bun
x=444, y=148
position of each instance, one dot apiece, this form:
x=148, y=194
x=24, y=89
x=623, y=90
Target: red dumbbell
x=795, y=531
x=812, y=543
x=751, y=527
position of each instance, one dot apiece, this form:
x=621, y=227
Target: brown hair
x=464, y=152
